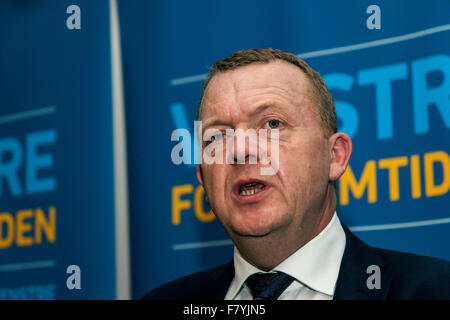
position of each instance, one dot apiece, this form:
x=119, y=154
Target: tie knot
x=268, y=286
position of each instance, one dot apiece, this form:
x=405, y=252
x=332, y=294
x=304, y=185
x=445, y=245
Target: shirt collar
x=316, y=264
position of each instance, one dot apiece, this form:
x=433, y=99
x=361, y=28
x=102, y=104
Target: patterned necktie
x=268, y=286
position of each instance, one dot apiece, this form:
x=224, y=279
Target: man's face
x=265, y=96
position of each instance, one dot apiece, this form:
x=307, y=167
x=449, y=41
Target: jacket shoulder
x=198, y=285
x=412, y=263
x=416, y=276
x=401, y=275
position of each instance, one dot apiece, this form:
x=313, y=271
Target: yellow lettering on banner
x=198, y=206
x=431, y=189
x=6, y=237
x=348, y=184
x=42, y=224
x=392, y=164
x=368, y=180
x=27, y=227
x=178, y=204
x=416, y=189
x=22, y=227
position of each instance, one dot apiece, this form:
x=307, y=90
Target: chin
x=254, y=227
x=252, y=233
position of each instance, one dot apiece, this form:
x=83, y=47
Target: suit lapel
x=220, y=282
x=352, y=280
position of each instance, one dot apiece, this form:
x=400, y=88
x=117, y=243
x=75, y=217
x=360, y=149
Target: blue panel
x=394, y=103
x=56, y=148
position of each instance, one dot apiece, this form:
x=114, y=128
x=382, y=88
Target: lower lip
x=254, y=197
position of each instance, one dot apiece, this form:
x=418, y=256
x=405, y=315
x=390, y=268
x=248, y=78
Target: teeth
x=249, y=192
x=250, y=184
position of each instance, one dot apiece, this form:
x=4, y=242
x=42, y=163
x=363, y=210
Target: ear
x=200, y=180
x=341, y=149
x=199, y=174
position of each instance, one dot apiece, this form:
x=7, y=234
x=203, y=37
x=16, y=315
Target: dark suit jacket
x=403, y=276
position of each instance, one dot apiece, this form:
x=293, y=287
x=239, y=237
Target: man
x=289, y=242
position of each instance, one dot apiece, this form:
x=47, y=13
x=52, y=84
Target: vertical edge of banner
x=122, y=239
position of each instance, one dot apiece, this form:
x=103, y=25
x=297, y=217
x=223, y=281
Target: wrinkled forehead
x=238, y=90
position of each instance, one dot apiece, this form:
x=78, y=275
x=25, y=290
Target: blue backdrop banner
x=56, y=151
x=390, y=77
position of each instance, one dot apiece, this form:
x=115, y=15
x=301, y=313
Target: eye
x=213, y=136
x=217, y=136
x=273, y=124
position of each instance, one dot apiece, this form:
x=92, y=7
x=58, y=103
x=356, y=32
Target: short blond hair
x=323, y=98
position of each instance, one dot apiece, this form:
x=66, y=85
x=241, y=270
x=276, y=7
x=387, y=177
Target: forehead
x=238, y=91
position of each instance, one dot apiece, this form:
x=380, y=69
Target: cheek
x=214, y=179
x=303, y=165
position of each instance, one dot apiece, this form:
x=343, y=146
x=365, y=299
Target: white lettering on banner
x=74, y=280
x=373, y=21
x=74, y=20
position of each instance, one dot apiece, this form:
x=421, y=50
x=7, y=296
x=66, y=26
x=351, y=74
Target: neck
x=269, y=251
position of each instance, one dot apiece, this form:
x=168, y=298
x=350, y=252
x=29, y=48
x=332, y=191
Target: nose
x=245, y=147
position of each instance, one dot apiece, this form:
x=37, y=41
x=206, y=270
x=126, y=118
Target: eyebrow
x=264, y=107
x=261, y=108
x=216, y=122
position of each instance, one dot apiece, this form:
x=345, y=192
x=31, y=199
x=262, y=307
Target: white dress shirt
x=315, y=268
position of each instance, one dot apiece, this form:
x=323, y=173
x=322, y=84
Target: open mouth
x=249, y=189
